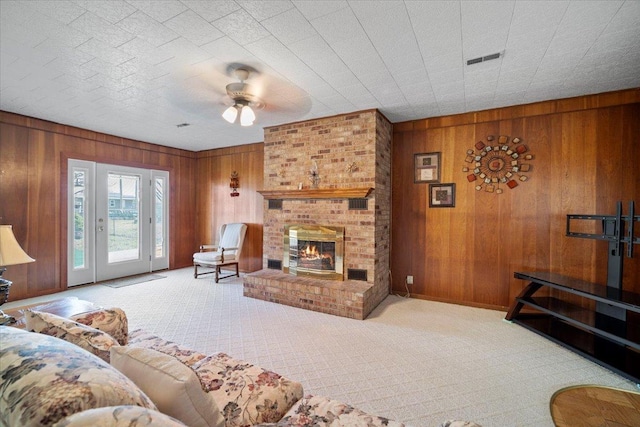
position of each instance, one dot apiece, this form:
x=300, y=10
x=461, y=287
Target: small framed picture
x=442, y=195
x=426, y=167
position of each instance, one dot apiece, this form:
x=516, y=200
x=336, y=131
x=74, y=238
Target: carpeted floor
x=415, y=361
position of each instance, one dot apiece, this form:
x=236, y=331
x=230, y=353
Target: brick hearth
x=349, y=298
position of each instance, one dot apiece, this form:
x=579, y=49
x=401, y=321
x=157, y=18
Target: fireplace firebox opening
x=314, y=250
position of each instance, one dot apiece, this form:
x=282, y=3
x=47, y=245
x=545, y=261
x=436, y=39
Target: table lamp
x=10, y=254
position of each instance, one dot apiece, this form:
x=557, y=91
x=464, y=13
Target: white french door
x=118, y=221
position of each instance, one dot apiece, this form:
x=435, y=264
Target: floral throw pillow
x=247, y=394
x=93, y=340
x=110, y=320
x=319, y=411
x=44, y=379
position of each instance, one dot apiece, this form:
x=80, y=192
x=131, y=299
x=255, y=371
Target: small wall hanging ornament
x=314, y=175
x=497, y=163
x=235, y=183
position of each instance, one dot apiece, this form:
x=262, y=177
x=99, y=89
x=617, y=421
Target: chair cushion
x=248, y=394
x=113, y=416
x=110, y=320
x=169, y=383
x=213, y=257
x=93, y=340
x=45, y=379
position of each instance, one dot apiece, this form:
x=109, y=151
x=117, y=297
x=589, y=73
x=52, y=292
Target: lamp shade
x=247, y=116
x=10, y=251
x=230, y=114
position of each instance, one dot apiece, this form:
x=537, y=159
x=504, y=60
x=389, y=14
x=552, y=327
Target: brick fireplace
x=332, y=172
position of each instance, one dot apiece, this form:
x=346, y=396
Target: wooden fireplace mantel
x=324, y=193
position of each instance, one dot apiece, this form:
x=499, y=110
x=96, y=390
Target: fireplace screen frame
x=317, y=233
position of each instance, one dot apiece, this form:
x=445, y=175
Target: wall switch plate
x=409, y=280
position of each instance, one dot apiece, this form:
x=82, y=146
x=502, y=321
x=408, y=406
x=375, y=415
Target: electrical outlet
x=409, y=280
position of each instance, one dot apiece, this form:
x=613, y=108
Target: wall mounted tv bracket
x=618, y=230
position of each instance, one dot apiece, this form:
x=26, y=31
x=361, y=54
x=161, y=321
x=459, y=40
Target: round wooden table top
x=591, y=405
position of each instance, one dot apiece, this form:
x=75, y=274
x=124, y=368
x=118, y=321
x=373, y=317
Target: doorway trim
x=159, y=237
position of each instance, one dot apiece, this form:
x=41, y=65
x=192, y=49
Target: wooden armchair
x=225, y=253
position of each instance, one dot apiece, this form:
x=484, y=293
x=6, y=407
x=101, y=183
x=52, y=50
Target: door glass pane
x=159, y=218
x=124, y=209
x=79, y=219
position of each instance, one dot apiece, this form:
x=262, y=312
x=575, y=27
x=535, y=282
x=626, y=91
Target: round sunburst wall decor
x=497, y=163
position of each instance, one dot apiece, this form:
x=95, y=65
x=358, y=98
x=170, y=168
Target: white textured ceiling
x=138, y=68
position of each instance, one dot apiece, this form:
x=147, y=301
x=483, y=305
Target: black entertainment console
x=608, y=333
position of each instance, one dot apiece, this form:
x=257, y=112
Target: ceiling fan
x=237, y=91
x=244, y=97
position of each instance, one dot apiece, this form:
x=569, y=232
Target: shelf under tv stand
x=613, y=342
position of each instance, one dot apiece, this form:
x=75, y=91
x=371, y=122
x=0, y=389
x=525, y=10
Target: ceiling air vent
x=484, y=58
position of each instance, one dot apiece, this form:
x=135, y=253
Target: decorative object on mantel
x=235, y=183
x=496, y=162
x=11, y=253
x=314, y=175
x=442, y=195
x=324, y=193
x=426, y=167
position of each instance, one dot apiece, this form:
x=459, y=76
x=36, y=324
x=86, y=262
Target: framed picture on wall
x=442, y=195
x=426, y=167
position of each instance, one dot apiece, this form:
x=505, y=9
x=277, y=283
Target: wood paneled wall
x=586, y=156
x=33, y=155
x=587, y=152
x=215, y=206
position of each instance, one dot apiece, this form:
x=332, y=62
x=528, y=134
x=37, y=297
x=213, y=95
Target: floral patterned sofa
x=89, y=370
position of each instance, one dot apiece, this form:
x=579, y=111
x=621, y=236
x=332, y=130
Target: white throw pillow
x=169, y=383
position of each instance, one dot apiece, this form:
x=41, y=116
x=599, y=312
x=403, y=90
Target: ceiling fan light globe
x=247, y=116
x=230, y=114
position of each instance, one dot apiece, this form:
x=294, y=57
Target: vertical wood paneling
x=44, y=222
x=586, y=156
x=34, y=155
x=215, y=206
x=14, y=184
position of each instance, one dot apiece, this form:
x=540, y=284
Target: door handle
x=100, y=227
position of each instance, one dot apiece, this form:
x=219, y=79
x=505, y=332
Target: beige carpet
x=415, y=361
